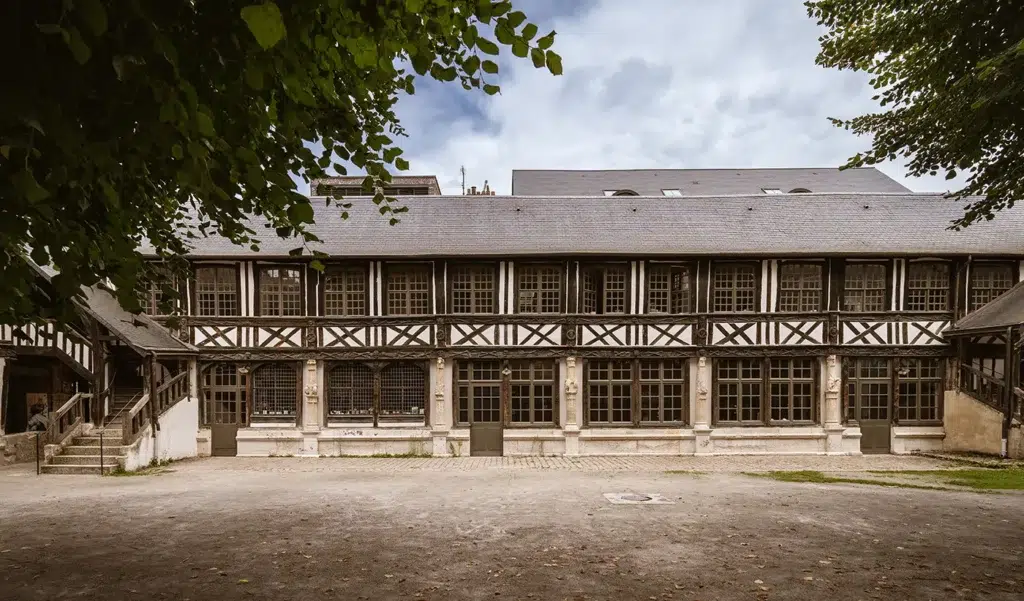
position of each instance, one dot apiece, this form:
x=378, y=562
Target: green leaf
x=491, y=90
x=401, y=164
x=490, y=66
x=471, y=64
x=520, y=49
x=254, y=77
x=487, y=47
x=26, y=183
x=516, y=18
x=301, y=213
x=94, y=15
x=529, y=31
x=265, y=22
x=79, y=49
x=364, y=51
x=554, y=63
x=176, y=151
x=537, y=56
x=545, y=42
x=504, y=34
x=470, y=36
x=205, y=124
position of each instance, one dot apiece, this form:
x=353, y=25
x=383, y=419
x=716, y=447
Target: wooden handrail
x=170, y=392
x=136, y=420
x=983, y=387
x=71, y=403
x=70, y=415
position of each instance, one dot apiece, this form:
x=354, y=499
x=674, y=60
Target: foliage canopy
x=122, y=119
x=950, y=78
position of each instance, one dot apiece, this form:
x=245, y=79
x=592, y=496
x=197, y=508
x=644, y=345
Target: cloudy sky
x=648, y=84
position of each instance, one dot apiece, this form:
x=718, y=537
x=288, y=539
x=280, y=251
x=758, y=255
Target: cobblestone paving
x=733, y=463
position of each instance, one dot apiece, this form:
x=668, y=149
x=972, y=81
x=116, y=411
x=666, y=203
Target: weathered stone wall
x=971, y=425
x=19, y=448
x=1015, y=442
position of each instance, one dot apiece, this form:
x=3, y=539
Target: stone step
x=108, y=432
x=90, y=470
x=90, y=440
x=94, y=450
x=87, y=460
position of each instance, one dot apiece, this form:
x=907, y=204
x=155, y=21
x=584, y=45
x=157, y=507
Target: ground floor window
x=377, y=392
x=276, y=392
x=766, y=391
x=224, y=395
x=637, y=392
x=882, y=388
x=513, y=392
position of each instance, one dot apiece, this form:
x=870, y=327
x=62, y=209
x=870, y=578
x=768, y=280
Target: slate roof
x=690, y=182
x=789, y=224
x=138, y=331
x=1005, y=311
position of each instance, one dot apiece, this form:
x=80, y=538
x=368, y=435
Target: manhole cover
x=635, y=498
x=631, y=498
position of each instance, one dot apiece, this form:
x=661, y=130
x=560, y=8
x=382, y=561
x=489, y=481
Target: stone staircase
x=82, y=456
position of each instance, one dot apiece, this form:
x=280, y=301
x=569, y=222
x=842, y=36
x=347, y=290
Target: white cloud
x=652, y=84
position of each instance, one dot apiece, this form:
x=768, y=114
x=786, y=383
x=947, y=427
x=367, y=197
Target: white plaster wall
x=971, y=425
x=269, y=442
x=917, y=439
x=337, y=442
x=175, y=439
x=204, y=446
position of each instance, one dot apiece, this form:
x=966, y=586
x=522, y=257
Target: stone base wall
x=20, y=448
x=971, y=425
x=917, y=439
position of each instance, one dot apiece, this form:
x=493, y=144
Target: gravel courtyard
x=321, y=529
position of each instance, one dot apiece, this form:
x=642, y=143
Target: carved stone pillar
x=831, y=417
x=440, y=415
x=571, y=431
x=702, y=409
x=311, y=410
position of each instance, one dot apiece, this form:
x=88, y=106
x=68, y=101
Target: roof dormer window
x=771, y=190
x=672, y=192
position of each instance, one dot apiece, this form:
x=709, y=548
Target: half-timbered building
x=605, y=312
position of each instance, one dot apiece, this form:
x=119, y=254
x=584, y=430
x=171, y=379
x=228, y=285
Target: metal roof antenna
x=462, y=170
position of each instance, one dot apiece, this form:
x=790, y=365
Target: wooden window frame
x=388, y=270
x=336, y=269
x=887, y=284
x=765, y=381
x=295, y=419
x=329, y=389
x=601, y=289
x=635, y=387
x=900, y=380
x=206, y=387
x=194, y=296
x=822, y=297
x=690, y=276
x=378, y=418
x=505, y=383
x=851, y=411
x=1013, y=269
x=258, y=273
x=492, y=269
x=516, y=296
x=715, y=265
x=949, y=286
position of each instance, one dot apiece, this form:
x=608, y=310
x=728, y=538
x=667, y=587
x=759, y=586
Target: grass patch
x=979, y=478
x=820, y=478
x=685, y=472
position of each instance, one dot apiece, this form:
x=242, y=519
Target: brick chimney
x=485, y=191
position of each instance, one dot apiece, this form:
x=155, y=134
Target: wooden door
x=486, y=435
x=227, y=407
x=876, y=420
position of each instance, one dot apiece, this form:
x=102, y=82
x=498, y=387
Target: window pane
x=799, y=288
x=478, y=386
x=738, y=393
x=540, y=289
x=408, y=291
x=350, y=391
x=663, y=391
x=532, y=397
x=734, y=287
x=610, y=392
x=927, y=287
x=403, y=391
x=791, y=385
x=668, y=289
x=864, y=290
x=615, y=290
x=216, y=291
x=345, y=292
x=920, y=387
x=473, y=290
x=989, y=281
x=275, y=390
x=280, y=291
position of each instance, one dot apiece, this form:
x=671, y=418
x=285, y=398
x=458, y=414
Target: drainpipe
x=1007, y=391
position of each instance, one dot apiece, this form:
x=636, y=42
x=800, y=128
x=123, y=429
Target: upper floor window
x=408, y=290
x=669, y=289
x=864, y=288
x=280, y=291
x=153, y=299
x=771, y=190
x=672, y=192
x=538, y=289
x=472, y=289
x=800, y=287
x=734, y=287
x=989, y=280
x=605, y=289
x=344, y=291
x=927, y=286
x=216, y=291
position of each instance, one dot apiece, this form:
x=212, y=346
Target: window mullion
x=635, y=396
x=766, y=392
